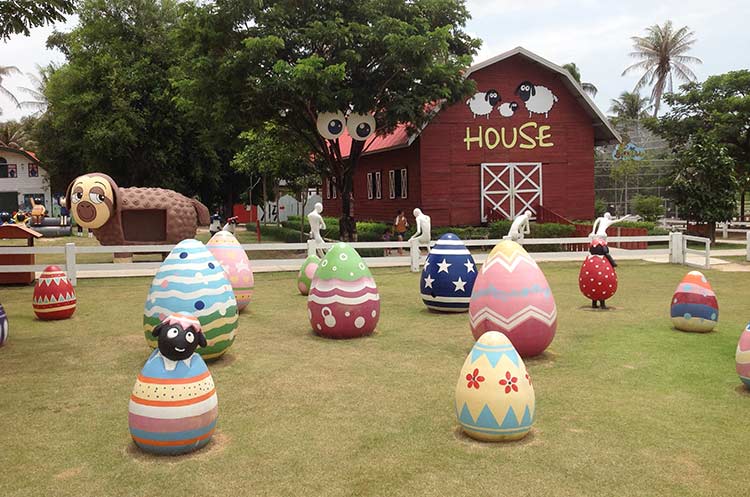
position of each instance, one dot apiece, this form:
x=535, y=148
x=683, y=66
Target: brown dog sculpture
x=132, y=216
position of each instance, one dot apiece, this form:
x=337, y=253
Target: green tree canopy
x=718, y=107
x=704, y=185
x=589, y=88
x=18, y=16
x=393, y=59
x=112, y=107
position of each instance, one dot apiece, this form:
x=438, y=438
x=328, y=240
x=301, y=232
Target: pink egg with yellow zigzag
x=228, y=251
x=511, y=295
x=742, y=356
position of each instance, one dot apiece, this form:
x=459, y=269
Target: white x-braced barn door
x=511, y=188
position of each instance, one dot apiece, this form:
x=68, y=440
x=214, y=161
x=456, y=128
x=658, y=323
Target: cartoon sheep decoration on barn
x=537, y=98
x=482, y=103
x=507, y=109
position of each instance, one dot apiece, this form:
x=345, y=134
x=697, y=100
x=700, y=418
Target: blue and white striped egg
x=192, y=281
x=448, y=276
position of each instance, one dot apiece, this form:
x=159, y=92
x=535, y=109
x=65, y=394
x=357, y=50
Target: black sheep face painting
x=179, y=336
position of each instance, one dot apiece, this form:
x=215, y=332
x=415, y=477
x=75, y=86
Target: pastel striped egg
x=344, y=300
x=3, y=326
x=511, y=295
x=448, y=276
x=173, y=408
x=306, y=274
x=694, y=306
x=228, y=251
x=494, y=396
x=742, y=356
x=191, y=281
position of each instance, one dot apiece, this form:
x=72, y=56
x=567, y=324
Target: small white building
x=22, y=178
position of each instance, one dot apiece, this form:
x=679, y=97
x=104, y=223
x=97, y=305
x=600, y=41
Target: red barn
x=525, y=139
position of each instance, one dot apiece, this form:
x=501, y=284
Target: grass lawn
x=626, y=406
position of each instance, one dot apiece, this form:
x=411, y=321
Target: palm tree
x=630, y=105
x=589, y=88
x=662, y=57
x=38, y=102
x=13, y=134
x=6, y=71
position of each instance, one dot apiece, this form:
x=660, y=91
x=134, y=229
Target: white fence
x=677, y=253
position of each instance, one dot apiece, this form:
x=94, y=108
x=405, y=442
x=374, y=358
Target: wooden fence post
x=676, y=248
x=414, y=255
x=70, y=262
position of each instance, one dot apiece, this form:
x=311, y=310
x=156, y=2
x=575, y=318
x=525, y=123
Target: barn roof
x=604, y=133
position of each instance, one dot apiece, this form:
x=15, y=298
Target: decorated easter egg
x=54, y=296
x=306, y=273
x=173, y=408
x=597, y=279
x=191, y=281
x=494, y=395
x=511, y=295
x=694, y=306
x=344, y=300
x=3, y=326
x=448, y=276
x=228, y=251
x=742, y=356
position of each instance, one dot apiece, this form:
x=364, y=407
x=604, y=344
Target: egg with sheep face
x=192, y=281
x=511, y=295
x=306, y=274
x=228, y=251
x=174, y=408
x=448, y=276
x=343, y=300
x=694, y=306
x=742, y=356
x=54, y=296
x=3, y=326
x=495, y=399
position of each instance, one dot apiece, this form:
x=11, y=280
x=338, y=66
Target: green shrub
x=600, y=207
x=648, y=207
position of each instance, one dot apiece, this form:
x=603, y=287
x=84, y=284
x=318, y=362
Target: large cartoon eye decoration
x=76, y=197
x=361, y=126
x=96, y=198
x=172, y=332
x=331, y=124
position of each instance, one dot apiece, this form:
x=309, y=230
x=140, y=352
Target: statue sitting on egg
x=597, y=279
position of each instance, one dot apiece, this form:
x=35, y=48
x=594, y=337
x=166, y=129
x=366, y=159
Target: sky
x=595, y=34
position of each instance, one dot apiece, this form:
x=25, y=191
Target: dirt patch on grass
x=222, y=362
x=69, y=473
x=473, y=444
x=216, y=446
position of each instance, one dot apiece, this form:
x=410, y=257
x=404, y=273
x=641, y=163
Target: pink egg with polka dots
x=344, y=301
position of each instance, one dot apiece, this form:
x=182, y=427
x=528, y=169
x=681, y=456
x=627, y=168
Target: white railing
x=678, y=251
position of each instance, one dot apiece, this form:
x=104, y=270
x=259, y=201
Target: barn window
x=403, y=187
x=378, y=185
x=7, y=170
x=370, y=187
x=392, y=183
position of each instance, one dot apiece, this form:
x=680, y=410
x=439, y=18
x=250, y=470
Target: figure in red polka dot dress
x=597, y=279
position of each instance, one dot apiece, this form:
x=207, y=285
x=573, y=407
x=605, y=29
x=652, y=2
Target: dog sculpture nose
x=85, y=211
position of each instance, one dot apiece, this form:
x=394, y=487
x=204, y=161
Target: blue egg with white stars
x=448, y=276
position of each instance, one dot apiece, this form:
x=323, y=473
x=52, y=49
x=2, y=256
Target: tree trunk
x=276, y=195
x=742, y=204
x=347, y=225
x=265, y=200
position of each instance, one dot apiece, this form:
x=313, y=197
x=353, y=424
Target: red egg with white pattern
x=54, y=296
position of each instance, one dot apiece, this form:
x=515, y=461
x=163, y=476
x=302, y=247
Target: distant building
x=22, y=178
x=525, y=139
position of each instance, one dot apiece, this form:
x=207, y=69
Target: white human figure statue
x=603, y=223
x=316, y=223
x=424, y=227
x=519, y=228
